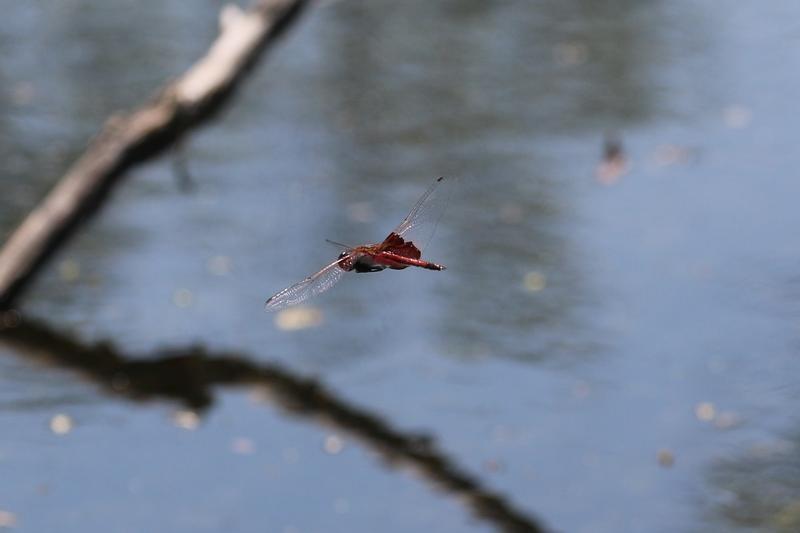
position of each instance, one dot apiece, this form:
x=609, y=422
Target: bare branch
x=190, y=375
x=131, y=139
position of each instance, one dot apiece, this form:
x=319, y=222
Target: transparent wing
x=303, y=290
x=420, y=224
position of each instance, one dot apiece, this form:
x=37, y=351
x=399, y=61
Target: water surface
x=582, y=331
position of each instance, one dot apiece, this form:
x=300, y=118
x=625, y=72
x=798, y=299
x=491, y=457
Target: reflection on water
x=190, y=375
x=760, y=489
x=479, y=104
x=516, y=290
x=455, y=111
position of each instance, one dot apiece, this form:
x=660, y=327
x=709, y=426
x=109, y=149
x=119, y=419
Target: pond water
x=611, y=349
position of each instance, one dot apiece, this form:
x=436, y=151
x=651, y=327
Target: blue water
x=661, y=310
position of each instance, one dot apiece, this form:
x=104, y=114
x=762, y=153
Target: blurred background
x=613, y=348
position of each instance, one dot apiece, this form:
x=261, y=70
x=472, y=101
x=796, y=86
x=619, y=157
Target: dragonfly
x=401, y=249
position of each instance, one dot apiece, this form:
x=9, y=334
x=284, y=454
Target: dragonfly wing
x=303, y=290
x=420, y=224
x=395, y=244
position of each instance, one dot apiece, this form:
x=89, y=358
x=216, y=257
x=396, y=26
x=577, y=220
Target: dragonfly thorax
x=365, y=263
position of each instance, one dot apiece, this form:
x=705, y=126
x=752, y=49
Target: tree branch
x=189, y=375
x=131, y=139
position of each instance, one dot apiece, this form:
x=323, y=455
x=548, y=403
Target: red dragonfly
x=401, y=249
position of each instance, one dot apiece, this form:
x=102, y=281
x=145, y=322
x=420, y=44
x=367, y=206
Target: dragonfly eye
x=343, y=255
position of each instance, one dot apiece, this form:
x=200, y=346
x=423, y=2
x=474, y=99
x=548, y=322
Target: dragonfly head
x=346, y=260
